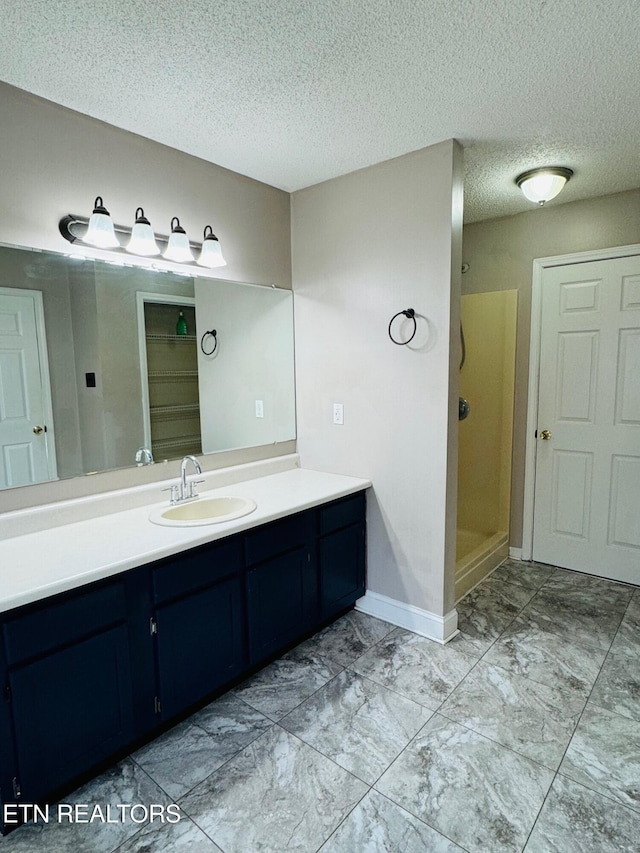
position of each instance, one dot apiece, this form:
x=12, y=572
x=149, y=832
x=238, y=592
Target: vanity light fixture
x=542, y=184
x=143, y=240
x=178, y=248
x=211, y=254
x=99, y=230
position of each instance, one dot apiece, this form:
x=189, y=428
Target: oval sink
x=202, y=511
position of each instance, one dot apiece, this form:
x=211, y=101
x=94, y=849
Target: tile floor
x=523, y=733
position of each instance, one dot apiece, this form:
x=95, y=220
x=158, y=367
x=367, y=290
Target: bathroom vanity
x=144, y=624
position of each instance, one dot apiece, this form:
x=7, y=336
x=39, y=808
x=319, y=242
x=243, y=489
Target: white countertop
x=43, y=563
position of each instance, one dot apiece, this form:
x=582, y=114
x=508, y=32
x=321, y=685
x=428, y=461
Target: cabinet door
x=71, y=710
x=282, y=602
x=200, y=644
x=342, y=562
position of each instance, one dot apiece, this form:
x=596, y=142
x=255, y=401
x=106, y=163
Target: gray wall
x=56, y=161
x=253, y=361
x=365, y=246
x=500, y=253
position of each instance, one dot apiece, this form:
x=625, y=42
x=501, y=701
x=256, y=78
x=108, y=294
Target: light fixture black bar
x=73, y=228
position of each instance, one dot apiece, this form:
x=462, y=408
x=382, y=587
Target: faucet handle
x=192, y=488
x=173, y=497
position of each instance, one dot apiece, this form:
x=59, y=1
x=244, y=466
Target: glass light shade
x=100, y=231
x=178, y=248
x=211, y=254
x=143, y=240
x=541, y=185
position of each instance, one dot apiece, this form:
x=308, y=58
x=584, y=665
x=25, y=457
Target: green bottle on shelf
x=181, y=326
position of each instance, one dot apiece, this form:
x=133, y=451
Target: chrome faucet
x=188, y=490
x=183, y=491
x=144, y=456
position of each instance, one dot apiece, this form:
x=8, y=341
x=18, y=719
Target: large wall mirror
x=99, y=360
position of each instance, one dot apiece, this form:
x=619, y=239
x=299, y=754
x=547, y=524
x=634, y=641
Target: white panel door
x=587, y=492
x=23, y=452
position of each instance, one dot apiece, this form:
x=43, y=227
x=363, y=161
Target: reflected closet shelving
x=172, y=374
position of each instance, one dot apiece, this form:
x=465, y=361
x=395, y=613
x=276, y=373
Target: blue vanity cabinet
x=69, y=687
x=282, y=584
x=198, y=624
x=341, y=554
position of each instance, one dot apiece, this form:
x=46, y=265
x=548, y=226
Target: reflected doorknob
x=38, y=429
x=545, y=435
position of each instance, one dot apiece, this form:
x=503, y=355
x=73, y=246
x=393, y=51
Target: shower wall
x=485, y=437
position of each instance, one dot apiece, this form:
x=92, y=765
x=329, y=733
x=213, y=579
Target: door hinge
x=17, y=791
x=7, y=693
x=153, y=626
x=157, y=707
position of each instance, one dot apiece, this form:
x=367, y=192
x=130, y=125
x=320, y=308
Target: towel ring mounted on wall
x=214, y=335
x=411, y=314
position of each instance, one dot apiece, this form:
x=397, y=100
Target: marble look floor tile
x=284, y=684
x=580, y=619
x=618, y=685
x=577, y=820
x=277, y=794
x=125, y=783
x=483, y=615
x=188, y=753
x=182, y=837
x=537, y=653
x=529, y=575
x=357, y=723
x=474, y=791
x=604, y=755
x=377, y=825
x=530, y=718
x=349, y=637
x=419, y=669
x=515, y=593
x=627, y=640
x=565, y=580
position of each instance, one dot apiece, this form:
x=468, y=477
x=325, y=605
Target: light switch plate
x=259, y=409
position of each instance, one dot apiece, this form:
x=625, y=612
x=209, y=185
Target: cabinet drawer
x=342, y=513
x=196, y=570
x=279, y=537
x=57, y=624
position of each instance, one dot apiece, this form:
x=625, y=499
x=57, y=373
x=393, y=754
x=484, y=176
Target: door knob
x=38, y=429
x=545, y=435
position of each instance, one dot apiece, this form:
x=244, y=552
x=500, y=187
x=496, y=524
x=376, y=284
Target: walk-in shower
x=485, y=435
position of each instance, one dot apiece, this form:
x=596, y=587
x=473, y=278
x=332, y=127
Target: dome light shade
x=143, y=240
x=541, y=185
x=100, y=231
x=178, y=248
x=211, y=254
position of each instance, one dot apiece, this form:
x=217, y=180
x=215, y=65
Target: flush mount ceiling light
x=211, y=254
x=143, y=240
x=543, y=184
x=100, y=231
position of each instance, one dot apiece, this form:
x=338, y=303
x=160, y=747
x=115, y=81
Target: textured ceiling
x=293, y=93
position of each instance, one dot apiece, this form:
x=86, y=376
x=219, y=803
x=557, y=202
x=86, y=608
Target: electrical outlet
x=338, y=413
x=259, y=409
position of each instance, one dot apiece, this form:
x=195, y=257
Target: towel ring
x=214, y=335
x=411, y=314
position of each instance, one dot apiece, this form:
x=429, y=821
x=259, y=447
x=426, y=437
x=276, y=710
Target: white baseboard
x=423, y=622
x=515, y=553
